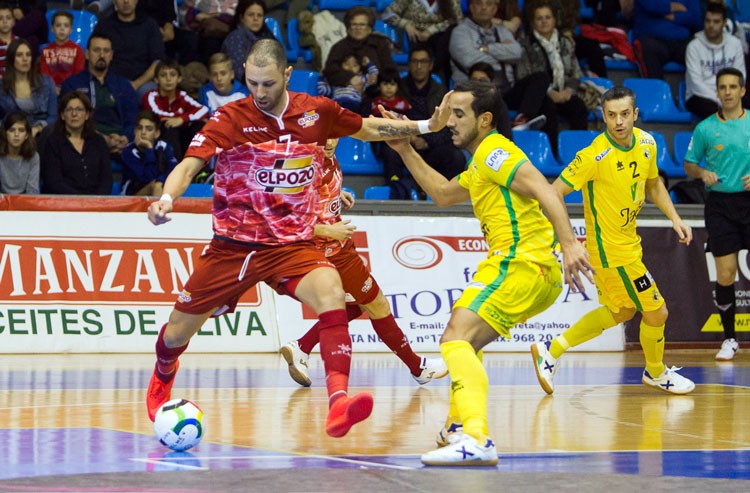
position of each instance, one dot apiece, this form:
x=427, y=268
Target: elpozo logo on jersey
x=287, y=175
x=308, y=119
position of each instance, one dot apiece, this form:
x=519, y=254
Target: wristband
x=423, y=126
x=166, y=198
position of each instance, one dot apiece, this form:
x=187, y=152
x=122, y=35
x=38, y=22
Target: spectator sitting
x=484, y=71
x=361, y=42
x=222, y=87
x=179, y=42
x=662, y=31
x=545, y=50
x=361, y=77
x=509, y=16
x=428, y=22
x=75, y=159
x=147, y=159
x=7, y=21
x=136, y=42
x=30, y=21
x=27, y=90
x=212, y=20
x=62, y=58
x=113, y=97
x=19, y=161
x=251, y=26
x=710, y=51
x=181, y=116
x=388, y=80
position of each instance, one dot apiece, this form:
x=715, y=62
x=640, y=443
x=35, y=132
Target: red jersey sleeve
x=215, y=136
x=343, y=121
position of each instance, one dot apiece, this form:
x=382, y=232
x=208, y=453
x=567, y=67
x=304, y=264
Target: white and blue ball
x=179, y=424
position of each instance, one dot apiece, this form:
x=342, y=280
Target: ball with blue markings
x=179, y=424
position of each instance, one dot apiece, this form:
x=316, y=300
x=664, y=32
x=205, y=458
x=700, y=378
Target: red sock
x=166, y=357
x=336, y=351
x=388, y=330
x=311, y=338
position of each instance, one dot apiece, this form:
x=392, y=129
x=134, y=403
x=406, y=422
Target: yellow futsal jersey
x=512, y=224
x=613, y=180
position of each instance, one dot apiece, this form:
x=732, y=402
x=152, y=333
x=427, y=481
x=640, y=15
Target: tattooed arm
x=386, y=129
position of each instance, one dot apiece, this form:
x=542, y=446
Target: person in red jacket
x=181, y=116
x=62, y=58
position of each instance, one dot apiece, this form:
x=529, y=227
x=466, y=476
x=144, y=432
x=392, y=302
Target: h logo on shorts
x=642, y=283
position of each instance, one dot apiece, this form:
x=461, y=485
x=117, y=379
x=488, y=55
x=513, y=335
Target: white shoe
x=544, y=365
x=297, y=361
x=463, y=450
x=442, y=438
x=432, y=368
x=728, y=349
x=669, y=381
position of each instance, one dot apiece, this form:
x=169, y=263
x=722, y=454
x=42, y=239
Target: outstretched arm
x=176, y=184
x=387, y=129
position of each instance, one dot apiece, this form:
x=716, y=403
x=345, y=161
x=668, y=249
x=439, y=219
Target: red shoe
x=346, y=412
x=159, y=392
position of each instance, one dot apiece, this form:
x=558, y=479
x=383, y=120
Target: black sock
x=725, y=302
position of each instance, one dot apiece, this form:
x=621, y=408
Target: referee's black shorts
x=728, y=222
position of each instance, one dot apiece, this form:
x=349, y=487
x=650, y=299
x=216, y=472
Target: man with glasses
x=113, y=97
x=360, y=42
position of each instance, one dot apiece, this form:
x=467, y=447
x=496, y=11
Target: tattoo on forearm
x=389, y=130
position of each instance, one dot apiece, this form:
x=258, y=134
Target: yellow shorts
x=629, y=286
x=505, y=292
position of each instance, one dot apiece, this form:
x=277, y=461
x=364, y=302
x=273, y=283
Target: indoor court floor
x=83, y=416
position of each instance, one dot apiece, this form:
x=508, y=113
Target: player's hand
x=439, y=118
x=411, y=32
x=746, y=182
x=709, y=177
x=341, y=230
x=347, y=200
x=173, y=122
x=157, y=212
x=684, y=232
x=576, y=263
x=398, y=145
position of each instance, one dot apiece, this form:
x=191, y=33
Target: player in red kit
x=333, y=237
x=269, y=149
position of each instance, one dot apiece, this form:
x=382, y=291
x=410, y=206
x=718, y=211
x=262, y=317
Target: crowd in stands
x=152, y=72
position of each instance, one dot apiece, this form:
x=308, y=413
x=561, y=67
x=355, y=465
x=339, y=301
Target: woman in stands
x=75, y=159
x=25, y=89
x=250, y=18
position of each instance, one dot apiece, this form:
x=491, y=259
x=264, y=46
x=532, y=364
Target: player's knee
x=657, y=317
x=378, y=308
x=623, y=315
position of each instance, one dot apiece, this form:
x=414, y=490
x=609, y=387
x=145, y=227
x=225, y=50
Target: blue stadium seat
x=535, y=144
x=378, y=193
x=569, y=142
x=624, y=65
x=574, y=197
x=586, y=12
x=275, y=27
x=664, y=160
x=356, y=158
x=292, y=35
x=402, y=56
x=655, y=101
x=680, y=145
x=304, y=81
x=342, y=4
x=116, y=188
x=84, y=23
x=199, y=190
x=380, y=5
x=347, y=189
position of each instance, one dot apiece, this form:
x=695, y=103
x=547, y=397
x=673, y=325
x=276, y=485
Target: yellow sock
x=589, y=326
x=652, y=342
x=453, y=411
x=469, y=386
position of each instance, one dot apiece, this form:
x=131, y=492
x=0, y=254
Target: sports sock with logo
x=727, y=305
x=388, y=330
x=652, y=342
x=469, y=386
x=166, y=357
x=589, y=326
x=311, y=338
x=336, y=351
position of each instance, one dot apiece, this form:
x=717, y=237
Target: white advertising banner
x=422, y=266
x=106, y=282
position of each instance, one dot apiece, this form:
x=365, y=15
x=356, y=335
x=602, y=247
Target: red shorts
x=227, y=269
x=361, y=288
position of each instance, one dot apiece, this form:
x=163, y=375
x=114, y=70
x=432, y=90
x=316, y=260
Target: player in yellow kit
x=520, y=276
x=615, y=173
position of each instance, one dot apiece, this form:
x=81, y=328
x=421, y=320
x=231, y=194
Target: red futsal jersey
x=269, y=169
x=330, y=204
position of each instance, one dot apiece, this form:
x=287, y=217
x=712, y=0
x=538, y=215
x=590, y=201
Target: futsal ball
x=179, y=424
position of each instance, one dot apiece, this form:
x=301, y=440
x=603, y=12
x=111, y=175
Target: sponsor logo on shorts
x=184, y=297
x=367, y=286
x=496, y=158
x=642, y=283
x=308, y=119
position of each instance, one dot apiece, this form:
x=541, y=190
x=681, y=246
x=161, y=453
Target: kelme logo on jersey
x=287, y=175
x=496, y=158
x=308, y=119
x=602, y=154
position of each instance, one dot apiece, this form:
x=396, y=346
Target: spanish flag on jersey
x=613, y=180
x=512, y=224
